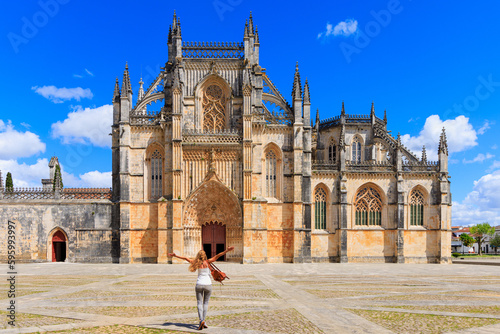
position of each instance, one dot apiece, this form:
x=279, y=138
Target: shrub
x=456, y=254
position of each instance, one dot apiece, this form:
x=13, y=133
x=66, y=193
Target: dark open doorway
x=214, y=239
x=58, y=247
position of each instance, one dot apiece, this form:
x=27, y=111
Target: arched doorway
x=213, y=238
x=212, y=203
x=58, y=247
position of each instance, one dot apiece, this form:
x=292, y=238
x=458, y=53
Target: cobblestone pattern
x=278, y=298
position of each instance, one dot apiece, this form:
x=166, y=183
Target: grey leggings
x=203, y=293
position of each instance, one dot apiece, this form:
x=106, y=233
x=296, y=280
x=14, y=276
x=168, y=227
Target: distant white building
x=458, y=247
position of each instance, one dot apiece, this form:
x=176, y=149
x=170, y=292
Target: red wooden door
x=58, y=247
x=214, y=239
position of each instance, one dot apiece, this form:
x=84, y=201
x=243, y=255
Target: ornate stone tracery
x=270, y=174
x=368, y=206
x=156, y=175
x=320, y=208
x=214, y=113
x=416, y=208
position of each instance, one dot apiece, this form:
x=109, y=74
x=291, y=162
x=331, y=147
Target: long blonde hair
x=198, y=261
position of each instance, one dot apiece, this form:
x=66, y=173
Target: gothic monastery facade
x=212, y=155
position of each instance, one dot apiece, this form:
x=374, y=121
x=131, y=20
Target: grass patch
x=121, y=329
x=425, y=323
x=279, y=321
x=493, y=310
x=34, y=320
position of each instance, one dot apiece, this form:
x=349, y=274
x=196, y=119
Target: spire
x=175, y=28
x=385, y=116
x=317, y=118
x=246, y=29
x=116, y=94
x=297, y=88
x=399, y=140
x=257, y=35
x=306, y=92
x=179, y=27
x=443, y=143
x=342, y=111
x=140, y=95
x=372, y=112
x=126, y=87
x=250, y=25
x=424, y=154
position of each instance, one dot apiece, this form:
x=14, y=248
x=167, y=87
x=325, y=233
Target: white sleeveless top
x=204, y=277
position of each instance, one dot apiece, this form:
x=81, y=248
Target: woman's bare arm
x=180, y=257
x=213, y=259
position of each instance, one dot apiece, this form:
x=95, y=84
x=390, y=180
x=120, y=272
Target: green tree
x=480, y=231
x=9, y=184
x=467, y=240
x=57, y=176
x=495, y=242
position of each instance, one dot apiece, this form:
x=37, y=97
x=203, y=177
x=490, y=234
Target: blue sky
x=428, y=64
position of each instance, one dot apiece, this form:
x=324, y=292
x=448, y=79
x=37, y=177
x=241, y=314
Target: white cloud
x=466, y=214
x=484, y=128
x=59, y=95
x=479, y=158
x=495, y=165
x=97, y=179
x=78, y=76
x=460, y=135
x=89, y=73
x=343, y=28
x=15, y=144
x=94, y=179
x=25, y=175
x=86, y=126
x=482, y=204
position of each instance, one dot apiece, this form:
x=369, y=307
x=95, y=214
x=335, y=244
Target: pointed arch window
x=368, y=206
x=332, y=152
x=156, y=175
x=416, y=208
x=214, y=113
x=320, y=209
x=271, y=163
x=356, y=150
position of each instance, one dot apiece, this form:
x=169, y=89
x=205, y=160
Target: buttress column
x=177, y=231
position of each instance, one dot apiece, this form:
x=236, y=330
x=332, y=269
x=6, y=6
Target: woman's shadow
x=189, y=326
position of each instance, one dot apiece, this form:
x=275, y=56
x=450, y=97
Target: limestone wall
x=86, y=224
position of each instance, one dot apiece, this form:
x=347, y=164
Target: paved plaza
x=267, y=298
